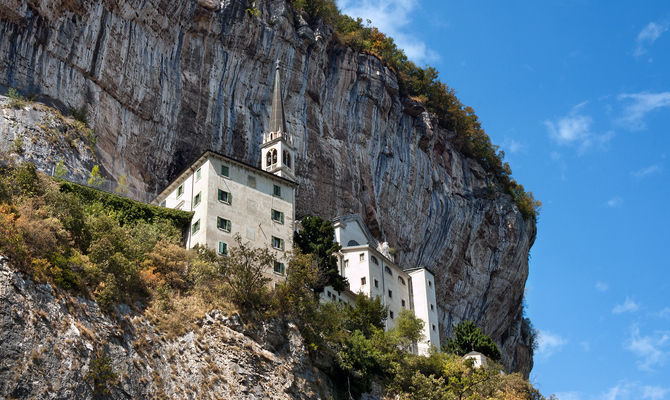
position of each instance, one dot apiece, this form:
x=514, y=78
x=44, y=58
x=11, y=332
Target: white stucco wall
x=425, y=308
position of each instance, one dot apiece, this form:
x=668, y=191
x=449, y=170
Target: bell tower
x=277, y=151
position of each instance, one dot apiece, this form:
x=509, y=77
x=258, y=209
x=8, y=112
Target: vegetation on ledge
x=423, y=85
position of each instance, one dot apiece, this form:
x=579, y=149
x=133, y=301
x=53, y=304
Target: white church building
x=229, y=197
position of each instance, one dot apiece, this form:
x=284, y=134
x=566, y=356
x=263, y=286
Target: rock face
x=49, y=338
x=164, y=80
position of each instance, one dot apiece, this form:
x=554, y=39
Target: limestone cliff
x=49, y=338
x=163, y=80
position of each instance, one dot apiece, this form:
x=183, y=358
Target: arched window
x=352, y=243
x=374, y=260
x=274, y=156
x=287, y=159
x=401, y=280
x=388, y=271
x=268, y=158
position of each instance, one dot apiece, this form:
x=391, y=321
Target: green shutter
x=225, y=171
x=281, y=215
x=281, y=241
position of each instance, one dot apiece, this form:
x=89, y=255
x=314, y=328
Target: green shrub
x=317, y=237
x=16, y=101
x=468, y=337
x=94, y=178
x=101, y=374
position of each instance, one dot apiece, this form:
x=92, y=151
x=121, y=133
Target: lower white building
x=370, y=269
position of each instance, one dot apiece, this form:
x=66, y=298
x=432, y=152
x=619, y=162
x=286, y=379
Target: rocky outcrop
x=48, y=340
x=163, y=80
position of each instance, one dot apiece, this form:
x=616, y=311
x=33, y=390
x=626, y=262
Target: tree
x=94, y=178
x=122, y=185
x=245, y=269
x=468, y=337
x=317, y=237
x=366, y=315
x=60, y=171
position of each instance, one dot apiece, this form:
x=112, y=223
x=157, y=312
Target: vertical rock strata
x=165, y=80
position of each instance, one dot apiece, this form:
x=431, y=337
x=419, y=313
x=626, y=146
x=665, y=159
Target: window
x=225, y=197
x=223, y=249
x=198, y=173
x=401, y=280
x=352, y=243
x=388, y=270
x=346, y=263
x=195, y=227
x=268, y=159
x=432, y=308
x=225, y=171
x=274, y=156
x=277, y=243
x=180, y=190
x=251, y=181
x=276, y=190
x=374, y=260
x=362, y=257
x=391, y=314
x=433, y=326
x=279, y=268
x=277, y=216
x=196, y=199
x=402, y=303
x=286, y=158
x=363, y=281
x=430, y=284
x=390, y=294
x=163, y=203
x=223, y=224
x=377, y=284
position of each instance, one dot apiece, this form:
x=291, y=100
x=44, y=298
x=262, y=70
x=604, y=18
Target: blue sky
x=577, y=93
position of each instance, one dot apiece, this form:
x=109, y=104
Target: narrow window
x=402, y=303
x=276, y=190
x=430, y=284
x=401, y=280
x=180, y=190
x=195, y=227
x=225, y=171
x=279, y=267
x=388, y=270
x=362, y=257
x=432, y=308
x=251, y=181
x=277, y=216
x=223, y=224
x=391, y=314
x=277, y=243
x=374, y=260
x=377, y=284
x=223, y=249
x=196, y=199
x=198, y=173
x=288, y=160
x=390, y=294
x=225, y=197
x=362, y=281
x=433, y=326
x=274, y=156
x=346, y=263
x=268, y=159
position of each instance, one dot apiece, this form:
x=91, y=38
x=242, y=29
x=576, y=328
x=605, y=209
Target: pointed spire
x=277, y=118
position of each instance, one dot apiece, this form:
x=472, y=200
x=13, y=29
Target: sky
x=577, y=94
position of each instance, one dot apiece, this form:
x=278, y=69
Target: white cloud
x=586, y=346
x=575, y=129
x=653, y=350
x=648, y=36
x=634, y=391
x=654, y=392
x=602, y=286
x=627, y=306
x=549, y=344
x=664, y=313
x=392, y=18
x=568, y=396
x=512, y=146
x=646, y=171
x=615, y=202
x=639, y=105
